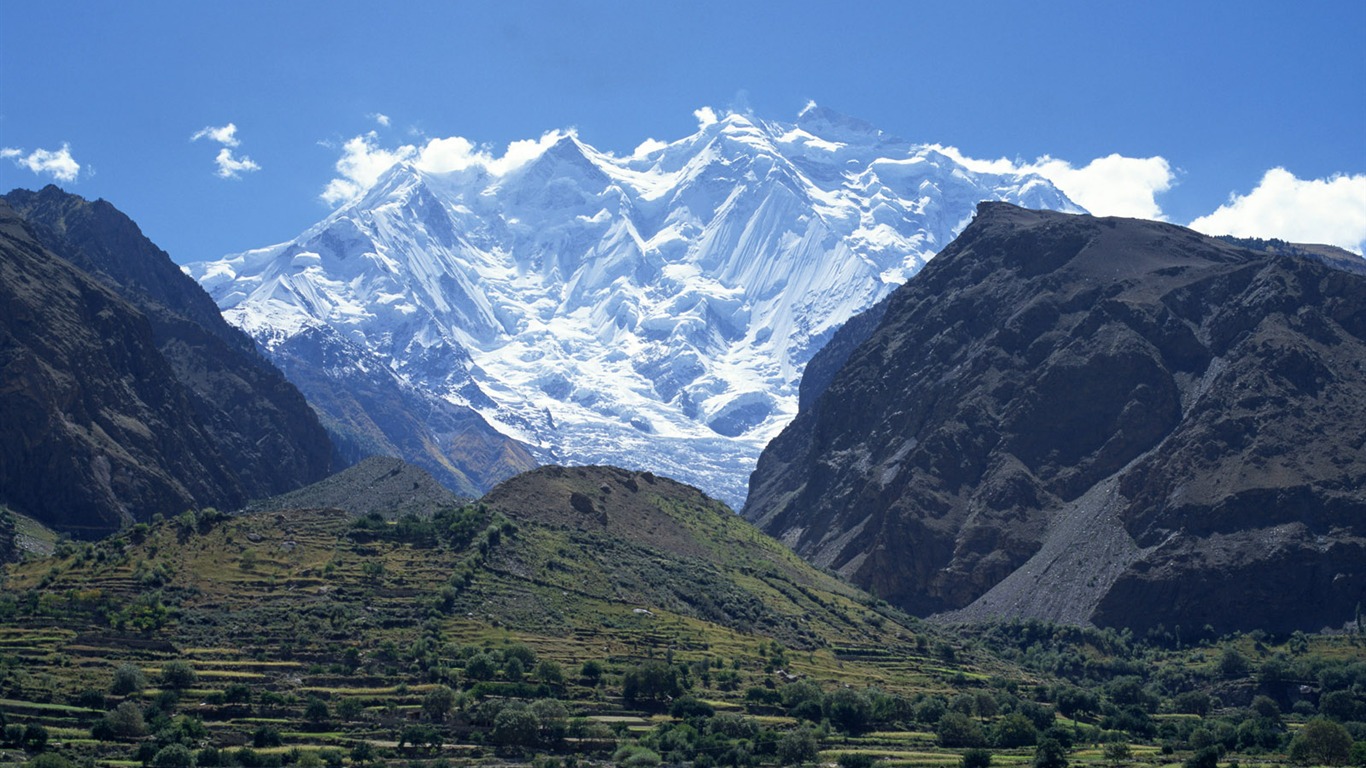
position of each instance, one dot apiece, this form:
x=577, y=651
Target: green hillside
x=573, y=616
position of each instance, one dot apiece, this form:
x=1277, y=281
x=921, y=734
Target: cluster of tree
x=455, y=527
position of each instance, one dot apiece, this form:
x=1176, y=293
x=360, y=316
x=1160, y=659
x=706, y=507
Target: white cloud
x=57, y=163
x=363, y=160
x=648, y=146
x=225, y=135
x=1114, y=185
x=1329, y=211
x=381, y=118
x=230, y=167
x=705, y=116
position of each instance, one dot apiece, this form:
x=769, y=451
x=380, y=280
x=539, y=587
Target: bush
x=976, y=758
x=35, y=737
x=128, y=680
x=178, y=675
x=173, y=756
x=634, y=756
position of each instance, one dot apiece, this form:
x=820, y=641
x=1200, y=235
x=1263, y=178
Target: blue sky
x=1200, y=100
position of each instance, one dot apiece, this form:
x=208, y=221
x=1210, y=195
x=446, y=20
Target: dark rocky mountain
x=1092, y=420
x=96, y=430
x=379, y=484
x=258, y=421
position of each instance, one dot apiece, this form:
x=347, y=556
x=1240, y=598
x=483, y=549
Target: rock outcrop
x=1092, y=420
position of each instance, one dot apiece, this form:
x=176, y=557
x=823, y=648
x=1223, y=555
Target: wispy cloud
x=381, y=118
x=229, y=165
x=225, y=135
x=57, y=163
x=1114, y=185
x=1329, y=211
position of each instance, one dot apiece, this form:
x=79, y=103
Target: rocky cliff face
x=1088, y=419
x=259, y=423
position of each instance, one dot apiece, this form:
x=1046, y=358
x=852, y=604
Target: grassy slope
x=578, y=566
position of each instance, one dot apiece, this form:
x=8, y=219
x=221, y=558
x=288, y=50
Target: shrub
x=976, y=758
x=128, y=680
x=178, y=675
x=173, y=756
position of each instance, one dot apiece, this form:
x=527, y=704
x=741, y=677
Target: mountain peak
x=653, y=312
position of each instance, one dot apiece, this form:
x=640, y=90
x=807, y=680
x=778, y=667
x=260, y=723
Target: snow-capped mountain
x=652, y=311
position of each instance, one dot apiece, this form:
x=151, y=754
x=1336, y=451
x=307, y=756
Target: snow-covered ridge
x=653, y=311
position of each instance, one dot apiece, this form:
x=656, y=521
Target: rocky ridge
x=1092, y=420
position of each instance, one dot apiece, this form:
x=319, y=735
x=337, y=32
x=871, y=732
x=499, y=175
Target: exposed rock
x=259, y=423
x=95, y=429
x=1090, y=419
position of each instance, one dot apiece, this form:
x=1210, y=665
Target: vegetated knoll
x=1093, y=419
x=608, y=537
x=95, y=429
x=268, y=437
x=273, y=609
x=380, y=484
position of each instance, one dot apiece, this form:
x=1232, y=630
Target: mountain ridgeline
x=126, y=393
x=652, y=311
x=1090, y=420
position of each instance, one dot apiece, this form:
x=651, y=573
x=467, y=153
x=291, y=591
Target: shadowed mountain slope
x=1088, y=419
x=97, y=431
x=259, y=423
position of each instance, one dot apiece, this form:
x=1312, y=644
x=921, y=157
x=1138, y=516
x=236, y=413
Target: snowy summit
x=653, y=311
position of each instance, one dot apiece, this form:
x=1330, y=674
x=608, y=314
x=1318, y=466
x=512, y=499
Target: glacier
x=653, y=311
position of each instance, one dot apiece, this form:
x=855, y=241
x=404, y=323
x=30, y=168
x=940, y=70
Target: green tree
x=650, y=684
x=1050, y=753
x=350, y=708
x=316, y=712
x=438, y=702
x=1321, y=742
x=125, y=721
x=363, y=752
x=590, y=673
x=516, y=726
x=1207, y=757
x=849, y=710
x=1117, y=753
x=178, y=675
x=550, y=672
x=956, y=730
x=35, y=737
x=1013, y=730
x=173, y=756
x=798, y=747
x=480, y=666
x=128, y=680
